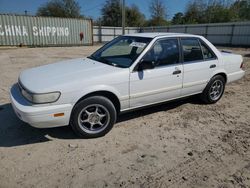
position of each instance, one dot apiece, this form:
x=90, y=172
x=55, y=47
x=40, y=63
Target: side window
x=207, y=53
x=191, y=50
x=164, y=52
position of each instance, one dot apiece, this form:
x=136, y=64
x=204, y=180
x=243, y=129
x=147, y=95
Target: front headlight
x=39, y=98
x=45, y=98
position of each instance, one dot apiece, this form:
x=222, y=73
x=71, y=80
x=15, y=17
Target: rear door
x=199, y=62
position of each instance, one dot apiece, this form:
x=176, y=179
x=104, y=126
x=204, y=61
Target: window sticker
x=138, y=44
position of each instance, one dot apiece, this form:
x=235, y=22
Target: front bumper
x=39, y=116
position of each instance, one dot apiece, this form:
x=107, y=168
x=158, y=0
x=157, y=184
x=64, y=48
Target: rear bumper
x=39, y=116
x=235, y=76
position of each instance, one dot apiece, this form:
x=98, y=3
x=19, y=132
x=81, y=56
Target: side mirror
x=144, y=65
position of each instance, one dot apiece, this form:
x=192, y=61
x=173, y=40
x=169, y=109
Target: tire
x=216, y=86
x=93, y=117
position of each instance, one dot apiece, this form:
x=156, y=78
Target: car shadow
x=14, y=132
x=158, y=108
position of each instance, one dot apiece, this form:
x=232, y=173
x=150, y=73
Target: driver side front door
x=164, y=81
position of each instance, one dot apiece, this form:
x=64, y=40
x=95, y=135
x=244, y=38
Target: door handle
x=212, y=66
x=177, y=72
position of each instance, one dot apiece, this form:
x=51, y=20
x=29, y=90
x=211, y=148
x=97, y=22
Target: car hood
x=50, y=77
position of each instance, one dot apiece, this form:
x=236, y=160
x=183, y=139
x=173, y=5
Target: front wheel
x=214, y=90
x=93, y=117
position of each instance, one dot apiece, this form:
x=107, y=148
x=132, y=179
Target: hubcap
x=94, y=118
x=216, y=89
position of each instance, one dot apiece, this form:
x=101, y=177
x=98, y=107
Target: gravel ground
x=178, y=144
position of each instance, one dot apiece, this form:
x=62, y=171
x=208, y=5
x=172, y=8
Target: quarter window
x=191, y=50
x=207, y=53
x=164, y=52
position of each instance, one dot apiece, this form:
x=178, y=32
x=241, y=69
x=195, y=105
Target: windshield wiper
x=103, y=60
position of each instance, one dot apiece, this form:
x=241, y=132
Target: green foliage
x=242, y=10
x=178, y=19
x=158, y=13
x=60, y=8
x=216, y=11
x=195, y=12
x=111, y=13
x=134, y=18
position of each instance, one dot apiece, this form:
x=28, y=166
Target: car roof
x=154, y=35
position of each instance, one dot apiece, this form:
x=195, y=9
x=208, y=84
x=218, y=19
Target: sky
x=89, y=7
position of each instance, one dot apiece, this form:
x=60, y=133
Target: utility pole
x=123, y=17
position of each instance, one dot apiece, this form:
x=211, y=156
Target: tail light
x=242, y=66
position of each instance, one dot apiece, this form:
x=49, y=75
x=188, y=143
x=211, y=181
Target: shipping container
x=44, y=31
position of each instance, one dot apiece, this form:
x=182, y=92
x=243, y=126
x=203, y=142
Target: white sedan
x=130, y=72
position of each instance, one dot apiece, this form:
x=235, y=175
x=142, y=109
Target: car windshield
x=122, y=51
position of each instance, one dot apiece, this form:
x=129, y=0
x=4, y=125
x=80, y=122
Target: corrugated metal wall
x=44, y=31
x=105, y=34
x=235, y=34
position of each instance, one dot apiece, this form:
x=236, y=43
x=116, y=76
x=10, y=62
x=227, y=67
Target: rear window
x=207, y=52
x=191, y=50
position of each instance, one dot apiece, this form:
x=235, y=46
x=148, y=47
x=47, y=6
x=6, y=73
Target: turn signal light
x=59, y=115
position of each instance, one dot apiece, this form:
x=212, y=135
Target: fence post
x=206, y=32
x=186, y=28
x=232, y=34
x=100, y=33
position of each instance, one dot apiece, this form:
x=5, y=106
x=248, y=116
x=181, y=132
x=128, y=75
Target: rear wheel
x=93, y=117
x=214, y=90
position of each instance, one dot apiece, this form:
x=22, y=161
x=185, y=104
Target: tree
x=60, y=8
x=202, y=11
x=134, y=18
x=158, y=13
x=241, y=9
x=111, y=13
x=217, y=13
x=178, y=18
x=195, y=12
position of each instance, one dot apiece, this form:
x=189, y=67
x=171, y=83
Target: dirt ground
x=178, y=144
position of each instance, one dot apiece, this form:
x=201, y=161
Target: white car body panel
x=67, y=77
x=151, y=86
x=202, y=72
x=77, y=78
